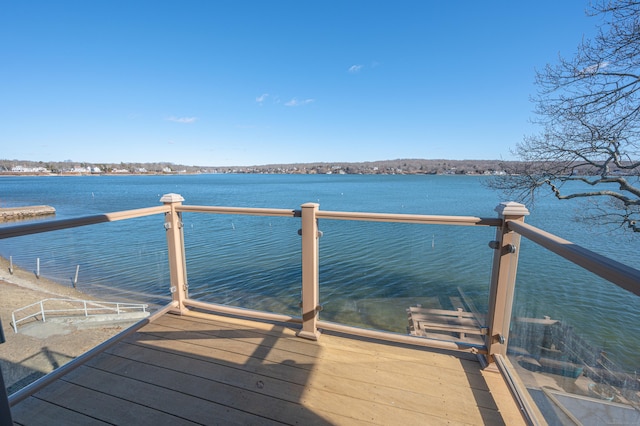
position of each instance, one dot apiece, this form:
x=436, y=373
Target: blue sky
x=216, y=83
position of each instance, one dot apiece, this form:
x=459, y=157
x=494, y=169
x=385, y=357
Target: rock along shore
x=18, y=213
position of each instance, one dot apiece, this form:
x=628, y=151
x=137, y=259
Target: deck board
x=206, y=369
x=34, y=410
x=347, y=373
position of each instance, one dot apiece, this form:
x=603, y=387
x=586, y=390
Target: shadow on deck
x=209, y=369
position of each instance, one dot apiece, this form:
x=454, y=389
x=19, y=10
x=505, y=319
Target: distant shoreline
x=5, y=174
x=385, y=167
x=15, y=174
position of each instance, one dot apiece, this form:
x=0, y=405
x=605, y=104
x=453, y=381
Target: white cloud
x=260, y=99
x=183, y=120
x=593, y=69
x=355, y=69
x=294, y=102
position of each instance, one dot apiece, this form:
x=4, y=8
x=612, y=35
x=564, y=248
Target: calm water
x=370, y=272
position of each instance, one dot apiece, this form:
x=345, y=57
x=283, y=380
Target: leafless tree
x=588, y=108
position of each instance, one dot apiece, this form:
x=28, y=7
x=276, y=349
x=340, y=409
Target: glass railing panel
x=244, y=261
x=373, y=275
x=573, y=341
x=124, y=260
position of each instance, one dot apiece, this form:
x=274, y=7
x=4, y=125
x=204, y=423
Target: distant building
x=80, y=170
x=23, y=169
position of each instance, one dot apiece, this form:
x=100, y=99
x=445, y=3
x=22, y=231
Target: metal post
x=310, y=274
x=175, y=239
x=13, y=322
x=75, y=279
x=503, y=278
x=42, y=310
x=38, y=267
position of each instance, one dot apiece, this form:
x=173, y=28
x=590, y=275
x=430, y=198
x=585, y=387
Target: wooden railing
x=310, y=214
x=509, y=227
x=54, y=225
x=619, y=274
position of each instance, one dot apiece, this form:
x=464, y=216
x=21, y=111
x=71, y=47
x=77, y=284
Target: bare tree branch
x=588, y=107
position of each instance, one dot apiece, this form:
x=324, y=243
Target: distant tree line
x=399, y=166
x=60, y=167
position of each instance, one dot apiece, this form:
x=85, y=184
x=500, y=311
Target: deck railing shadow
x=20, y=373
x=228, y=372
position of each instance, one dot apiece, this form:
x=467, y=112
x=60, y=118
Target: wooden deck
x=208, y=369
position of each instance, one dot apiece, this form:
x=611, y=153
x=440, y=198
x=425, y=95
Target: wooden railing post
x=310, y=274
x=175, y=244
x=503, y=278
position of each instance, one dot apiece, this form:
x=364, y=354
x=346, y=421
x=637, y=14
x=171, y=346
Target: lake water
x=370, y=272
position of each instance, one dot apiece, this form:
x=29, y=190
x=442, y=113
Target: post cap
x=511, y=208
x=171, y=198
